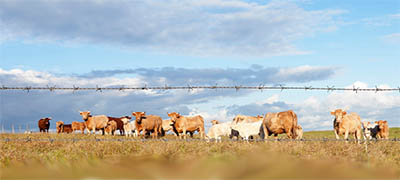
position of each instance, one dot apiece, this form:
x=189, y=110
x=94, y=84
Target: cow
x=78, y=126
x=44, y=124
x=370, y=130
x=345, y=124
x=214, y=122
x=148, y=123
x=247, y=129
x=120, y=124
x=246, y=119
x=184, y=124
x=218, y=130
x=278, y=123
x=61, y=127
x=111, y=127
x=94, y=123
x=298, y=132
x=383, y=129
x=166, y=126
x=129, y=127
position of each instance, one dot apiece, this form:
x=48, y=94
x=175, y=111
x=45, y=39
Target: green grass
x=197, y=159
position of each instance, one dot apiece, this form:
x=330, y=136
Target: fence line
x=28, y=139
x=261, y=87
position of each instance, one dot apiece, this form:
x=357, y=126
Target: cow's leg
x=184, y=133
x=144, y=134
x=336, y=134
x=346, y=135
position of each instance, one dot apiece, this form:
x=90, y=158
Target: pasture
x=85, y=157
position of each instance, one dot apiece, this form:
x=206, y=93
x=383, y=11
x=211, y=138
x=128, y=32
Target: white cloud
x=212, y=27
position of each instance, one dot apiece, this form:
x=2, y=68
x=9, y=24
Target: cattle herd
x=243, y=127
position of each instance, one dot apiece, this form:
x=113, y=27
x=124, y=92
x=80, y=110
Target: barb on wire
x=356, y=89
x=27, y=89
x=51, y=88
x=330, y=88
x=122, y=88
x=238, y=88
x=307, y=87
x=376, y=89
x=190, y=88
x=261, y=87
x=282, y=88
x=99, y=88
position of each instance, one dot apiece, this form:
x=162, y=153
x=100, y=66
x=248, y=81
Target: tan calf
x=94, y=123
x=383, y=129
x=78, y=126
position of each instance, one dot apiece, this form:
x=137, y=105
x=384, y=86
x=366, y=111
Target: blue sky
x=307, y=42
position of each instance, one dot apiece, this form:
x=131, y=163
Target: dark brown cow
x=120, y=124
x=44, y=124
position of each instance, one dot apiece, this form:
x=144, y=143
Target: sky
x=134, y=43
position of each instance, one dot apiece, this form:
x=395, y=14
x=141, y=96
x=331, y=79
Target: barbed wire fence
x=189, y=88
x=261, y=87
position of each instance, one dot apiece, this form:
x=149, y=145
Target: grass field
x=197, y=159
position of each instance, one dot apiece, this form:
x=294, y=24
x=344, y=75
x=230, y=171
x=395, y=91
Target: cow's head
x=59, y=125
x=139, y=116
x=298, y=132
x=214, y=122
x=125, y=120
x=85, y=115
x=381, y=124
x=174, y=116
x=338, y=113
x=365, y=124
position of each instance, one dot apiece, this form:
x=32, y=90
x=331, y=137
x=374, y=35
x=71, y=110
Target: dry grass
x=197, y=159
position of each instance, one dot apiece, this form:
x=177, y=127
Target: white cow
x=129, y=127
x=247, y=129
x=370, y=130
x=218, y=130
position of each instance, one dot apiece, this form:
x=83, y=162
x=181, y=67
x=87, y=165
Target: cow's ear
x=49, y=118
x=344, y=113
x=333, y=113
x=134, y=114
x=80, y=112
x=384, y=121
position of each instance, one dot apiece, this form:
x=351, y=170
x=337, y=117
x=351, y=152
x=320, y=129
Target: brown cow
x=44, y=124
x=246, y=119
x=76, y=126
x=147, y=124
x=214, y=122
x=345, y=124
x=61, y=127
x=120, y=124
x=383, y=129
x=184, y=124
x=94, y=123
x=278, y=123
x=111, y=127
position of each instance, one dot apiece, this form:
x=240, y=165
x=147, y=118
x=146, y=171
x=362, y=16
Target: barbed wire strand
x=261, y=87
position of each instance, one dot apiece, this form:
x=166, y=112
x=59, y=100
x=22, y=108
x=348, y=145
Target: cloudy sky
x=91, y=43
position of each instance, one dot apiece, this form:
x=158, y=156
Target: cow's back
x=151, y=122
x=194, y=123
x=97, y=122
x=351, y=122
